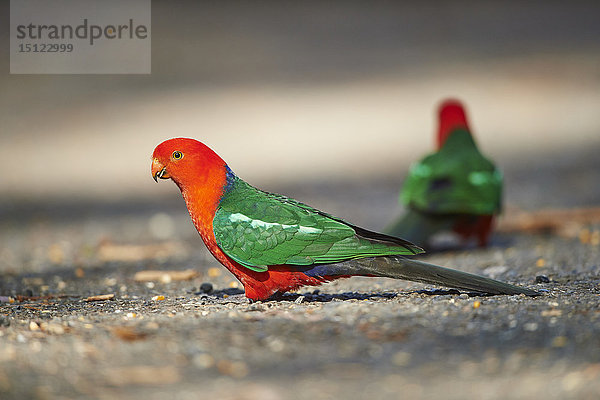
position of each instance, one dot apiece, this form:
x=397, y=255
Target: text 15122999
x=45, y=47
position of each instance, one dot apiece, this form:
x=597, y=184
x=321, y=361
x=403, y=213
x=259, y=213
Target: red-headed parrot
x=274, y=244
x=456, y=189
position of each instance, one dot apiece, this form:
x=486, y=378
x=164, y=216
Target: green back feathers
x=258, y=229
x=456, y=179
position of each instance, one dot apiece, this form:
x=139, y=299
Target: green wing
x=456, y=179
x=258, y=229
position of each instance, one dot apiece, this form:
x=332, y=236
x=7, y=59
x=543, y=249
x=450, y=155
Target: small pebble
x=235, y=369
x=153, y=326
x=206, y=287
x=530, y=326
x=542, y=279
x=595, y=238
x=559, y=341
x=401, y=358
x=584, y=236
x=52, y=328
x=214, y=272
x=110, y=281
x=540, y=263
x=203, y=361
x=255, y=307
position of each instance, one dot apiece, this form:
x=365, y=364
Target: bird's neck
x=451, y=120
x=457, y=140
x=202, y=196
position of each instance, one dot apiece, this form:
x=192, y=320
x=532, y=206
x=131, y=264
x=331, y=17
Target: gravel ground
x=357, y=338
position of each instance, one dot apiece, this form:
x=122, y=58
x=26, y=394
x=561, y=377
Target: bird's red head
x=187, y=162
x=451, y=116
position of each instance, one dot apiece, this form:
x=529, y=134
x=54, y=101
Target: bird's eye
x=177, y=155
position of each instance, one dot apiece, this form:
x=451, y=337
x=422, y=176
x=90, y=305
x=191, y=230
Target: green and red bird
x=274, y=244
x=456, y=189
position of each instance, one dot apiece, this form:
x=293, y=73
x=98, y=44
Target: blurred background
x=329, y=103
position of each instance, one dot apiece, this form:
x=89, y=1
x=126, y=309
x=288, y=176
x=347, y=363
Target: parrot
x=274, y=244
x=455, y=189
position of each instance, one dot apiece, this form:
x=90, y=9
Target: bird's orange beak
x=159, y=170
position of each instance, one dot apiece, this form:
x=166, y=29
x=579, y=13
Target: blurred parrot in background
x=456, y=189
x=274, y=244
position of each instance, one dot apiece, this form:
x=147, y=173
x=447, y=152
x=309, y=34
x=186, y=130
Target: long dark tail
x=418, y=271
